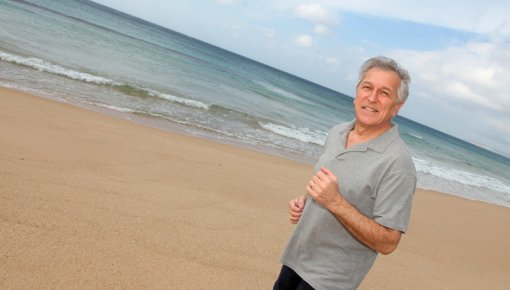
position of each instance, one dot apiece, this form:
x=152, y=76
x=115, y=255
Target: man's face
x=376, y=98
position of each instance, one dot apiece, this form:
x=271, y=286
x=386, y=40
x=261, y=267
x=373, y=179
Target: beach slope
x=93, y=201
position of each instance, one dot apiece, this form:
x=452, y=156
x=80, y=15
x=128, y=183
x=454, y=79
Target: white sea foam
x=115, y=108
x=45, y=66
x=461, y=176
x=300, y=134
x=416, y=136
x=187, y=102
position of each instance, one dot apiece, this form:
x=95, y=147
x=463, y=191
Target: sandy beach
x=94, y=201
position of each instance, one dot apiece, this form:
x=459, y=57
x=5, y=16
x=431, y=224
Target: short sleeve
x=394, y=199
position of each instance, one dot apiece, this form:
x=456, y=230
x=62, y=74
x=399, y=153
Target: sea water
x=80, y=52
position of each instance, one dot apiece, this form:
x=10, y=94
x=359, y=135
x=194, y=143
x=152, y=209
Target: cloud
x=322, y=19
x=320, y=29
x=304, y=41
x=468, y=82
x=490, y=16
x=476, y=73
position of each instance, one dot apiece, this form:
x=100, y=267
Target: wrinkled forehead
x=382, y=78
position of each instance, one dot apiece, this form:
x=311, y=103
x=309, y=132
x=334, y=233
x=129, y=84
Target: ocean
x=80, y=52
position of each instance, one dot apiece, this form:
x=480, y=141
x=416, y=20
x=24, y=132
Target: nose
x=373, y=96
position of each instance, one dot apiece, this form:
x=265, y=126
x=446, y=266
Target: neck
x=360, y=133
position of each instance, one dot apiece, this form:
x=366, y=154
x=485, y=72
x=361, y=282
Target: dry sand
x=93, y=201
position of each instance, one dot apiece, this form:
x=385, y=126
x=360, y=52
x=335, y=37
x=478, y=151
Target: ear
x=397, y=108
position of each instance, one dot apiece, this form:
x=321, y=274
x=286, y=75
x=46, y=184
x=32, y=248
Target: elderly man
x=359, y=201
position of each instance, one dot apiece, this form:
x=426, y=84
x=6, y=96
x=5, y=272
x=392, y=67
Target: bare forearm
x=365, y=229
x=324, y=189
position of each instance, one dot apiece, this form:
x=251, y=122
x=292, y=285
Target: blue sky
x=457, y=52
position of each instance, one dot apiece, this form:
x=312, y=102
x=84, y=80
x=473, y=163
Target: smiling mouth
x=369, y=109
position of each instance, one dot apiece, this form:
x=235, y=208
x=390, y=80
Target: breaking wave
x=132, y=90
x=301, y=134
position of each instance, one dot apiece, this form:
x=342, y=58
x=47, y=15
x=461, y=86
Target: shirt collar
x=379, y=144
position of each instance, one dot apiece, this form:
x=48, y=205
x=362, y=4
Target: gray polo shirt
x=379, y=179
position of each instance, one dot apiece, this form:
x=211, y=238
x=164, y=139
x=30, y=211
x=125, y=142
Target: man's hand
x=324, y=189
x=296, y=208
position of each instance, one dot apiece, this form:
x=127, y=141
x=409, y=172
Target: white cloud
x=304, y=41
x=467, y=84
x=477, y=73
x=320, y=29
x=322, y=18
x=313, y=12
x=489, y=16
x=464, y=92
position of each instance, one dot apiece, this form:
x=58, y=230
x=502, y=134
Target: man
x=359, y=201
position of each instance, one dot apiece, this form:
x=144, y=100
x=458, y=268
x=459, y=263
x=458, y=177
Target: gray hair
x=388, y=64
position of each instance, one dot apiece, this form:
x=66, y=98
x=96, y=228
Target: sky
x=457, y=52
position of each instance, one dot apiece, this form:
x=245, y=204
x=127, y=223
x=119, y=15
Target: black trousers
x=290, y=280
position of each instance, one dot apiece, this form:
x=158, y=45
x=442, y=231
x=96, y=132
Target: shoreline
x=168, y=126
x=92, y=201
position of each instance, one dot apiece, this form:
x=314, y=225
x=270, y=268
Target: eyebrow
x=370, y=83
